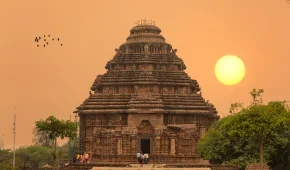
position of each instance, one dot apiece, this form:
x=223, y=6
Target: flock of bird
x=47, y=40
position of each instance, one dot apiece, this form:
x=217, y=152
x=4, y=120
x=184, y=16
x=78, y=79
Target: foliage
x=5, y=166
x=236, y=107
x=55, y=128
x=33, y=156
x=41, y=138
x=71, y=148
x=5, y=158
x=237, y=139
x=257, y=96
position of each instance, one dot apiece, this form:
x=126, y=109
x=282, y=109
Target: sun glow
x=230, y=70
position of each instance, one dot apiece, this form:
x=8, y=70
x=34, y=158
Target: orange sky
x=55, y=80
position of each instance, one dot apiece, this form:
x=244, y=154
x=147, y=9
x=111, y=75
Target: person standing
x=146, y=157
x=86, y=157
x=138, y=155
x=141, y=160
x=78, y=158
x=82, y=158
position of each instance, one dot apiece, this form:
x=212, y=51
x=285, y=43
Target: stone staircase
x=147, y=167
x=124, y=166
x=256, y=166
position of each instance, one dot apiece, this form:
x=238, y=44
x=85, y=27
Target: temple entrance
x=145, y=146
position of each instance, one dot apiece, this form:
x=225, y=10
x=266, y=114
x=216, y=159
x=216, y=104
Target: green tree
x=236, y=107
x=39, y=156
x=41, y=138
x=257, y=96
x=22, y=157
x=5, y=158
x=256, y=132
x=71, y=148
x=33, y=156
x=56, y=128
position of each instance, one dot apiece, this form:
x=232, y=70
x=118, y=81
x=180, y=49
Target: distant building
x=145, y=102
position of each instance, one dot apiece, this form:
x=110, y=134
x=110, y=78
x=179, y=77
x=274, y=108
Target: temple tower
x=144, y=102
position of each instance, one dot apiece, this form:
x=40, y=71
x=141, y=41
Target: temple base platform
x=124, y=166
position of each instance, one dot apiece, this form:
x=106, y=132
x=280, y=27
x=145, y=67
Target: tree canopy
x=56, y=128
x=33, y=156
x=5, y=158
x=41, y=138
x=238, y=139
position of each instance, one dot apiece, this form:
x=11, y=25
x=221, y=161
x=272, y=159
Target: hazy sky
x=55, y=80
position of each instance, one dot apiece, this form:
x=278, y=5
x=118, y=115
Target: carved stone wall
x=135, y=119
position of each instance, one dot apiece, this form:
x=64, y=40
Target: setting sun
x=230, y=70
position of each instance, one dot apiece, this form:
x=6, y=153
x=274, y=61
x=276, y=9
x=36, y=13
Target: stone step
x=146, y=168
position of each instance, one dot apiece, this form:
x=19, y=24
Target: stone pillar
x=172, y=144
x=119, y=145
x=202, y=131
x=91, y=147
x=157, y=145
x=133, y=144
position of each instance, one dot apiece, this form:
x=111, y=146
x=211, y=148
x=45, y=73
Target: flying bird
x=46, y=41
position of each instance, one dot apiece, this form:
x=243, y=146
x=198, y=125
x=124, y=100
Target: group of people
x=82, y=158
x=142, y=158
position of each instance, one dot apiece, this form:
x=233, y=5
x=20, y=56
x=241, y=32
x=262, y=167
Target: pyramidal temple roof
x=146, y=76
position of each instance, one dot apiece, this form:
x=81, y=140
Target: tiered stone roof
x=146, y=76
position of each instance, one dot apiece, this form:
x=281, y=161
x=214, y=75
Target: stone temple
x=144, y=102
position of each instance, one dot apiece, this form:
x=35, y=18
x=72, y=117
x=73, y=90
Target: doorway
x=145, y=146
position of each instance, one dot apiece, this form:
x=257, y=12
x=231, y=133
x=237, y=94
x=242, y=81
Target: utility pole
x=14, y=133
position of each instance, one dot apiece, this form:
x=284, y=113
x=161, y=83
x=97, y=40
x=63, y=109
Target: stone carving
x=117, y=51
x=127, y=49
x=145, y=127
x=136, y=89
x=157, y=67
x=174, y=51
x=145, y=73
x=134, y=67
x=164, y=49
x=155, y=90
x=165, y=90
x=106, y=90
x=141, y=67
x=184, y=90
x=95, y=130
x=146, y=48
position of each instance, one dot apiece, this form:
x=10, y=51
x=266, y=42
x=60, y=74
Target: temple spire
x=145, y=22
